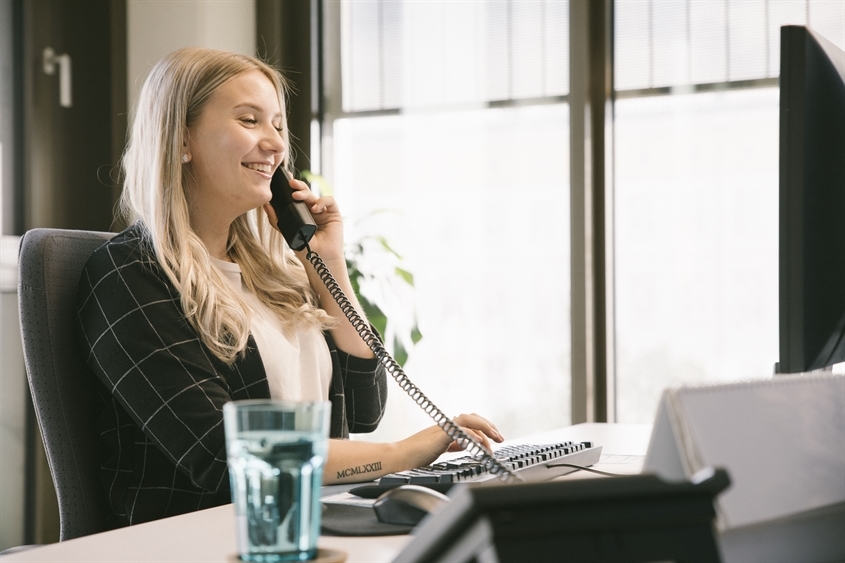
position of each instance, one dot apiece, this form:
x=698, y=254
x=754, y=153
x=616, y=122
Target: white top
x=298, y=364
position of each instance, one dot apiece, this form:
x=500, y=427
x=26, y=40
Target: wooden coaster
x=329, y=556
x=323, y=556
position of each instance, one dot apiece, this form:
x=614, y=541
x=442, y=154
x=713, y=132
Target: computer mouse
x=406, y=505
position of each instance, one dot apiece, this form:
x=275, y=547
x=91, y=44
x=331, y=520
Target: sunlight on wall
x=157, y=27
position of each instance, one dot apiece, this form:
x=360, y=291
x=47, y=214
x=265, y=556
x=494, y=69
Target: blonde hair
x=172, y=99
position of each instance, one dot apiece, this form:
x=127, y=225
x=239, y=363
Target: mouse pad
x=347, y=520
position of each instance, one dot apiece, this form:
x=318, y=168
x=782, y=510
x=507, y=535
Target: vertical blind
x=417, y=54
x=665, y=43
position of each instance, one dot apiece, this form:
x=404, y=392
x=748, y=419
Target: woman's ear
x=186, y=151
x=186, y=148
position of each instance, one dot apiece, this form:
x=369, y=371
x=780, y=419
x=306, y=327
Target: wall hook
x=50, y=59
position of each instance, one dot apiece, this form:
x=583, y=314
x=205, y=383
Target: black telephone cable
x=467, y=442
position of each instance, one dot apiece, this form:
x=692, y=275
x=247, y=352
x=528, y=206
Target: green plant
x=384, y=288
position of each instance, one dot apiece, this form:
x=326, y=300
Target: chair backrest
x=63, y=388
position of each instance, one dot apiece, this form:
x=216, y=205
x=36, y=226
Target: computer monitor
x=812, y=202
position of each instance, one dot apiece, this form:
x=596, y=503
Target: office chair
x=63, y=388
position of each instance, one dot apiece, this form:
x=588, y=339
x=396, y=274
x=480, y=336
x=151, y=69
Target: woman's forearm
x=353, y=461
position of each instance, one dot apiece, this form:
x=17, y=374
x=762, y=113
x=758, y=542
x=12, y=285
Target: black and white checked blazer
x=163, y=391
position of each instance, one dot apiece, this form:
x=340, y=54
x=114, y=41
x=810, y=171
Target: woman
x=200, y=301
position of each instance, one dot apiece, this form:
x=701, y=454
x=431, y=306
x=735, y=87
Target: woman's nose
x=272, y=141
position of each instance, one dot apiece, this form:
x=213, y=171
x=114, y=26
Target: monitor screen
x=812, y=202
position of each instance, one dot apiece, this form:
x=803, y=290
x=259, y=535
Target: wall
x=154, y=28
x=157, y=27
x=13, y=398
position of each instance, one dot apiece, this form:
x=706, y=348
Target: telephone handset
x=294, y=219
x=297, y=227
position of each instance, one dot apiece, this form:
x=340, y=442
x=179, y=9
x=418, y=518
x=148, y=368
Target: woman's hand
x=426, y=446
x=479, y=428
x=328, y=240
x=352, y=461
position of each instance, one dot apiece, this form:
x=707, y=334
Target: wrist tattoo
x=359, y=469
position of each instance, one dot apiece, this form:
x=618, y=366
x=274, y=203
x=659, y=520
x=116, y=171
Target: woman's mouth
x=264, y=168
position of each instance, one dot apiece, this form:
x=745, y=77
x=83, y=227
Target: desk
x=208, y=536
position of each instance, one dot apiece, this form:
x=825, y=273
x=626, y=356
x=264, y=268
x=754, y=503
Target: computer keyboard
x=531, y=462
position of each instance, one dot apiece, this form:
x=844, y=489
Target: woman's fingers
x=478, y=428
x=317, y=205
x=427, y=445
x=480, y=437
x=324, y=204
x=300, y=189
x=478, y=422
x=301, y=192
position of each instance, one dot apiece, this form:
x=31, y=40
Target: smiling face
x=234, y=148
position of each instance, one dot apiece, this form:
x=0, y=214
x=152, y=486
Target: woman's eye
x=250, y=120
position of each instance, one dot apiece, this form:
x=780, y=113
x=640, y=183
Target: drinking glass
x=276, y=451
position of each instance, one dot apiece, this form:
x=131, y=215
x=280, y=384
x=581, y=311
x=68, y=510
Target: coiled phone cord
x=467, y=442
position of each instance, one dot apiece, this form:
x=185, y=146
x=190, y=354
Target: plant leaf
x=399, y=352
x=405, y=275
x=374, y=314
x=416, y=335
x=355, y=276
x=324, y=187
x=387, y=247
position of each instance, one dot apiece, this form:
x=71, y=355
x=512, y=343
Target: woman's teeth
x=266, y=168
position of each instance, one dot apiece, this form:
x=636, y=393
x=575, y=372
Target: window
x=454, y=119
x=696, y=188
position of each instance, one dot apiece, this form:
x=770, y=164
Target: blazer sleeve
x=363, y=397
x=138, y=343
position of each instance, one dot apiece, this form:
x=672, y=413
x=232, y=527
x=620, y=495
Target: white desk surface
x=208, y=536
